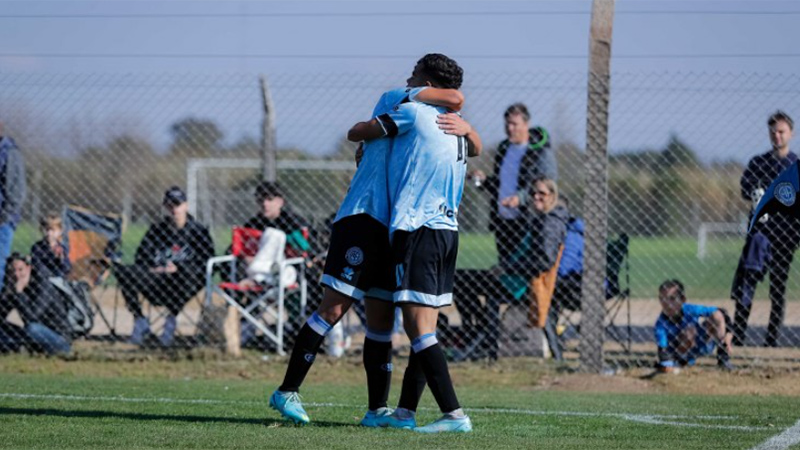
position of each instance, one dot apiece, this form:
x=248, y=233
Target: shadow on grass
x=90, y=414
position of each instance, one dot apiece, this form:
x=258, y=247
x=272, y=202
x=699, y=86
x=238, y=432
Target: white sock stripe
x=379, y=336
x=421, y=343
x=318, y=324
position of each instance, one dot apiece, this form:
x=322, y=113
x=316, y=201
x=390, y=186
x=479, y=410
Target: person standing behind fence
x=12, y=194
x=169, y=268
x=49, y=255
x=771, y=244
x=520, y=159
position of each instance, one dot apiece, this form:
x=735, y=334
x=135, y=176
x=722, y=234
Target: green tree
x=193, y=137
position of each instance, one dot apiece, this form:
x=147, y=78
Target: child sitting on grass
x=685, y=331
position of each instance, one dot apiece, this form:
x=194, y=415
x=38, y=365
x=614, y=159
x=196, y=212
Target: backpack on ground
x=76, y=296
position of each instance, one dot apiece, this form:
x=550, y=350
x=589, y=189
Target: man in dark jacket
x=12, y=194
x=169, y=268
x=522, y=158
x=276, y=214
x=39, y=305
x=771, y=244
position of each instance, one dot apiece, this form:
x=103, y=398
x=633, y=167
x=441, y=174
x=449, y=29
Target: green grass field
x=151, y=403
x=652, y=260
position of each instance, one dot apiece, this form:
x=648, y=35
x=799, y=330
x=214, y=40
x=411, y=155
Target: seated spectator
x=685, y=331
x=169, y=268
x=40, y=307
x=49, y=256
x=567, y=294
x=273, y=213
x=531, y=268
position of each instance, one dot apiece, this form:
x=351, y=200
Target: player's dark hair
x=443, y=70
x=676, y=285
x=780, y=116
x=517, y=109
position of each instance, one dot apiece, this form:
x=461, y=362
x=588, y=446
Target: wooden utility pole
x=596, y=181
x=268, y=141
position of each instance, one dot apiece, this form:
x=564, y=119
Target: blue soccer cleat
x=371, y=418
x=288, y=404
x=447, y=425
x=394, y=420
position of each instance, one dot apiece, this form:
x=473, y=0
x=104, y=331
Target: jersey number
x=462, y=148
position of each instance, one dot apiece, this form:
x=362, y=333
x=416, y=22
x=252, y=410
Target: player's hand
x=170, y=267
x=452, y=123
x=359, y=153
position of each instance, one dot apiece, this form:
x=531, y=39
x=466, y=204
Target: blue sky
x=386, y=37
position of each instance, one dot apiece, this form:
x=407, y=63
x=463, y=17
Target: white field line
x=652, y=419
x=788, y=438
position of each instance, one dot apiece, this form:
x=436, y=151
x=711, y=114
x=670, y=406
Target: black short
x=359, y=262
x=425, y=264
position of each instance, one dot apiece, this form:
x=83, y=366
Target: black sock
x=413, y=384
x=305, y=350
x=434, y=365
x=378, y=365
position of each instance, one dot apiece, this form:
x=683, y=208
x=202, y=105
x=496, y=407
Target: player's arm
x=397, y=121
x=365, y=131
x=454, y=124
x=452, y=99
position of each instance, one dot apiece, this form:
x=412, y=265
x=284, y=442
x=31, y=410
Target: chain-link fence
x=101, y=150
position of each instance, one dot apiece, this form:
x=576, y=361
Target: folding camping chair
x=261, y=304
x=617, y=293
x=93, y=241
x=567, y=301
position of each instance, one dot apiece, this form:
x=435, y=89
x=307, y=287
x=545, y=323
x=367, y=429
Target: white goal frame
x=707, y=228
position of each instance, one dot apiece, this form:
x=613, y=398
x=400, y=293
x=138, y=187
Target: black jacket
x=40, y=302
x=761, y=171
x=188, y=248
x=538, y=160
x=287, y=222
x=47, y=263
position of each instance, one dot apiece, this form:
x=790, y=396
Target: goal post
x=707, y=228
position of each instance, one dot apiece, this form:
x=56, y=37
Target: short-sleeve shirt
x=666, y=330
x=368, y=193
x=426, y=169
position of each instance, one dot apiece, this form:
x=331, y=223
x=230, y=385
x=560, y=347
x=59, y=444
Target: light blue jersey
x=426, y=169
x=368, y=193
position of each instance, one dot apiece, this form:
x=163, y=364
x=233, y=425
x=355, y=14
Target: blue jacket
x=572, y=258
x=12, y=182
